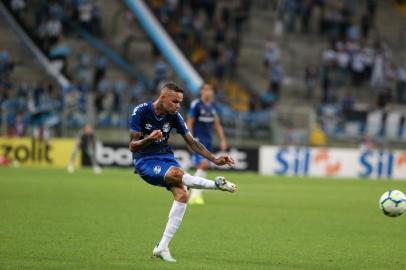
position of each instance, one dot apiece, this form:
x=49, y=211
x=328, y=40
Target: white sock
x=198, y=192
x=197, y=182
x=174, y=220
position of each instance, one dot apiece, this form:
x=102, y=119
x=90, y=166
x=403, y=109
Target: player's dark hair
x=172, y=86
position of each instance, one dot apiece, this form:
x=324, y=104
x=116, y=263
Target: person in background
x=86, y=142
x=202, y=118
x=317, y=136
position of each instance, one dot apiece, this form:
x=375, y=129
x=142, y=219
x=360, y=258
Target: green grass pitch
x=52, y=220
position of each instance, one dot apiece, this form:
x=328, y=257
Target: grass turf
x=52, y=220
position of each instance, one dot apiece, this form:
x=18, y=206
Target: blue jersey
x=204, y=116
x=145, y=120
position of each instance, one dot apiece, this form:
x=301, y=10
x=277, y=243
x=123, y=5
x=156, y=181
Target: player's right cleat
x=224, y=185
x=163, y=254
x=196, y=200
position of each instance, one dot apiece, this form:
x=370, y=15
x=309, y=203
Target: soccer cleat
x=224, y=185
x=71, y=168
x=163, y=254
x=197, y=200
x=97, y=169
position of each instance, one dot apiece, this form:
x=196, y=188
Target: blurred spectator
x=84, y=68
x=53, y=30
x=292, y=8
x=72, y=107
x=6, y=65
x=384, y=97
x=276, y=79
x=44, y=110
x=268, y=98
x=378, y=71
x=317, y=136
x=326, y=95
x=17, y=6
x=343, y=61
x=272, y=52
x=358, y=68
x=311, y=77
x=401, y=84
x=20, y=126
x=60, y=53
x=85, y=9
x=367, y=144
x=347, y=105
x=306, y=11
x=100, y=67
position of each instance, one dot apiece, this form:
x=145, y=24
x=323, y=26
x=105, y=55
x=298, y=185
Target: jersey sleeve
x=135, y=122
x=180, y=125
x=193, y=109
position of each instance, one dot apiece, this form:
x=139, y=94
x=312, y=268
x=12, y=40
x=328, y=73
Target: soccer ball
x=393, y=203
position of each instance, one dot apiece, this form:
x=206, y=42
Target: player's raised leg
x=176, y=176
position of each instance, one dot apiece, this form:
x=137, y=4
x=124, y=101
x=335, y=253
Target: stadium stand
x=351, y=71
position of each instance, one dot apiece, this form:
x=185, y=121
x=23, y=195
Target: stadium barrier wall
x=118, y=155
x=334, y=162
x=34, y=153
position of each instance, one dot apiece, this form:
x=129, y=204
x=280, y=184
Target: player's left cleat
x=163, y=254
x=224, y=185
x=197, y=200
x=71, y=168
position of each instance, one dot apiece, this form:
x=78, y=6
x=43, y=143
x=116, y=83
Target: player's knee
x=204, y=165
x=181, y=195
x=174, y=176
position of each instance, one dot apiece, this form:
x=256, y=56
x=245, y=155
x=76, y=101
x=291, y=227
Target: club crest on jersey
x=157, y=169
x=148, y=126
x=166, y=127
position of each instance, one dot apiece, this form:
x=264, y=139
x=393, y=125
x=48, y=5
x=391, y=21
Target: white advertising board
x=336, y=162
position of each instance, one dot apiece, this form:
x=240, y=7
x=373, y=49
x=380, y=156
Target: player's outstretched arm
x=220, y=134
x=137, y=143
x=202, y=150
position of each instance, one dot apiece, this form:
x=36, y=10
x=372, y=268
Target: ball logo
x=166, y=127
x=148, y=126
x=157, y=169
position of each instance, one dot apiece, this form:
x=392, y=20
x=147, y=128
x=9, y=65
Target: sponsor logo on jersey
x=206, y=119
x=166, y=127
x=157, y=169
x=148, y=126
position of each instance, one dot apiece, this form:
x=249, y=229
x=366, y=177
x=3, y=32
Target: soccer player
x=201, y=119
x=155, y=162
x=85, y=142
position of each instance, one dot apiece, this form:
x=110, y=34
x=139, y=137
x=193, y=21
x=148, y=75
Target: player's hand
x=224, y=160
x=155, y=135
